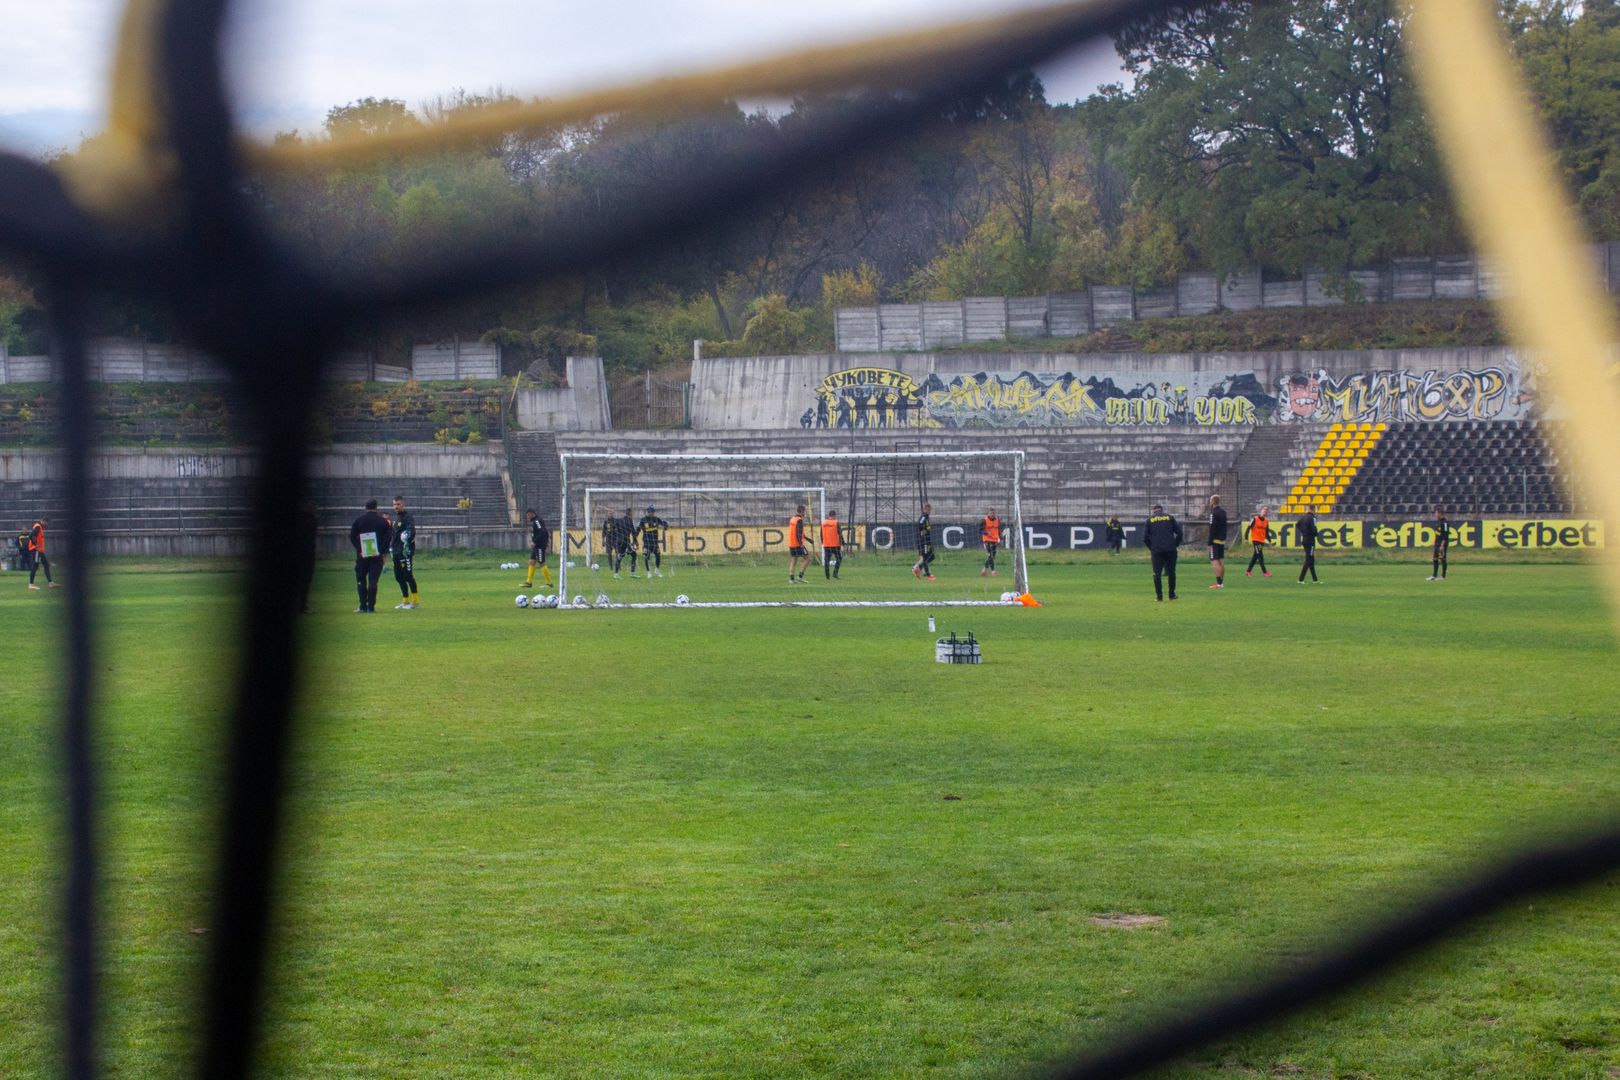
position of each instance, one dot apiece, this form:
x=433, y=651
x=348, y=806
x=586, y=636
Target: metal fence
x=168, y=218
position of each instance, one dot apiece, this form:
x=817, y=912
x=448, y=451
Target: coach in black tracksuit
x=1162, y=535
x=371, y=536
x=1307, y=540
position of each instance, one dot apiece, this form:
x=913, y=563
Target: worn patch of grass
x=788, y=844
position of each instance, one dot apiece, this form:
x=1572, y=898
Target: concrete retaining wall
x=893, y=327
x=580, y=406
x=129, y=360
x=773, y=391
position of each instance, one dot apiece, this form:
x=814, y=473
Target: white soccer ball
x=579, y=601
x=551, y=600
x=682, y=600
x=602, y=599
x=596, y=566
x=522, y=600
x=570, y=564
x=1008, y=597
x=537, y=601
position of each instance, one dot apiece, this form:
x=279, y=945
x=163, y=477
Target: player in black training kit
x=1162, y=536
x=923, y=567
x=1307, y=540
x=539, y=547
x=627, y=542
x=1442, y=545
x=652, y=535
x=370, y=535
x=404, y=552
x=1217, y=541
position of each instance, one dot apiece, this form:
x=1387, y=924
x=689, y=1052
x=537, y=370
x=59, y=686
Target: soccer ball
x=522, y=601
x=602, y=599
x=596, y=566
x=579, y=601
x=1008, y=597
x=682, y=600
x=551, y=599
x=537, y=601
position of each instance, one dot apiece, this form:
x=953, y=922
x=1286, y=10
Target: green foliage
x=1283, y=134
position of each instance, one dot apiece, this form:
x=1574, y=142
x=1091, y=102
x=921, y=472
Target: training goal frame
x=1015, y=458
x=710, y=489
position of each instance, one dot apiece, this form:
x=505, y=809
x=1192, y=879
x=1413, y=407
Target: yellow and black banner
x=717, y=540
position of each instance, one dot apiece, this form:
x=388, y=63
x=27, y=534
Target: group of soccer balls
x=551, y=600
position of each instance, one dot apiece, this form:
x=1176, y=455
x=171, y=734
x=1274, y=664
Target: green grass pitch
x=767, y=843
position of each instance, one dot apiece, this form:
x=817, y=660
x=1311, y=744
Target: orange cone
x=1029, y=601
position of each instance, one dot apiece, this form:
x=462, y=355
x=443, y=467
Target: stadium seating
x=1333, y=467
x=1468, y=468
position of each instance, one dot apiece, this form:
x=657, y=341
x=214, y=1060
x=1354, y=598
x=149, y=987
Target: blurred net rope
x=158, y=208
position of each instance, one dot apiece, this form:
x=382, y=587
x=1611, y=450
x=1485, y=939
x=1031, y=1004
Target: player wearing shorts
x=832, y=545
x=990, y=537
x=652, y=535
x=798, y=549
x=1217, y=541
x=924, y=566
x=539, y=547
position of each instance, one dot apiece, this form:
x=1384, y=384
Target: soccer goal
x=719, y=531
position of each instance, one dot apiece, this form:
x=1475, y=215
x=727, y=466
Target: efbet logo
x=1338, y=534
x=1543, y=534
x=1416, y=534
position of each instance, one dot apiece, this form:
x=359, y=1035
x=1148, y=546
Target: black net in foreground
x=174, y=224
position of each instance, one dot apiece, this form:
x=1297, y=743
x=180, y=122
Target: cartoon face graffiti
x=1301, y=395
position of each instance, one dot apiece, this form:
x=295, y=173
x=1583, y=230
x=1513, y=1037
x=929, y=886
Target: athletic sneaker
x=995, y=573
x=929, y=577
x=406, y=606
x=1268, y=573
x=660, y=573
x=615, y=577
x=1431, y=578
x=984, y=573
x=1216, y=586
x=54, y=585
x=1173, y=596
x=31, y=585
x=1248, y=573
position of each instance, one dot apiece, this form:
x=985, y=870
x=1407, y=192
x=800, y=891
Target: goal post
x=724, y=540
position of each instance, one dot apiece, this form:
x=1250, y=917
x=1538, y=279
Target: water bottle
x=930, y=624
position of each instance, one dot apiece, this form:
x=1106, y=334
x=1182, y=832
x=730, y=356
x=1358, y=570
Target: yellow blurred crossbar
x=1501, y=168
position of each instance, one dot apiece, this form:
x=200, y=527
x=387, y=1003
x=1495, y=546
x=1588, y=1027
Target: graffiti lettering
x=1133, y=411
x=1374, y=396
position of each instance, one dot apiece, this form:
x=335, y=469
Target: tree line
x=1280, y=135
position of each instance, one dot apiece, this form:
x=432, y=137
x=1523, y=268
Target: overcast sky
x=297, y=58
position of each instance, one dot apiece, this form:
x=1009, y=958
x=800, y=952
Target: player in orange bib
x=990, y=537
x=1259, y=535
x=798, y=552
x=832, y=545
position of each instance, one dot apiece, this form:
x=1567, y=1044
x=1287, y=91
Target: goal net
x=714, y=530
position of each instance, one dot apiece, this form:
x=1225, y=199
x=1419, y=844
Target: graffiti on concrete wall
x=874, y=397
x=1491, y=393
x=881, y=398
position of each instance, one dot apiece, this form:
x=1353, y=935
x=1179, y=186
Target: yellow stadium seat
x=1380, y=428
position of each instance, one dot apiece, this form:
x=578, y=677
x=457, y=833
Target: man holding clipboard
x=371, y=536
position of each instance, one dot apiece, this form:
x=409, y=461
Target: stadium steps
x=1271, y=458
x=534, y=455
x=1072, y=475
